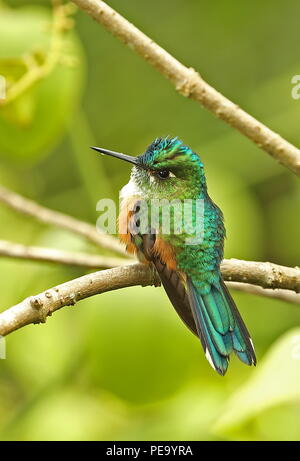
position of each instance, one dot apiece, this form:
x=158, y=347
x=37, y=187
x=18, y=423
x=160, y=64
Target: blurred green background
x=121, y=366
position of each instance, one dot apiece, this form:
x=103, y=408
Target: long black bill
x=125, y=157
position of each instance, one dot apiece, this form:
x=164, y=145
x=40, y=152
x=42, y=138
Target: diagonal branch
x=35, y=309
x=45, y=215
x=190, y=84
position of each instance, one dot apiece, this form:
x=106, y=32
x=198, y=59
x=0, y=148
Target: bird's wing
x=212, y=316
x=172, y=280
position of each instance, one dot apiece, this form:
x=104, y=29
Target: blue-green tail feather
x=220, y=326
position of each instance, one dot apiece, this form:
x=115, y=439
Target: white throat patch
x=130, y=190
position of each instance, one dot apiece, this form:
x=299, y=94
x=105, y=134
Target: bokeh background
x=121, y=366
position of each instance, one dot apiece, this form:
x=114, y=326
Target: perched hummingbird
x=189, y=273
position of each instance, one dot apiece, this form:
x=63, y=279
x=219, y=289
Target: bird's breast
x=130, y=194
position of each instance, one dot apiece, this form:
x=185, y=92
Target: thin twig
x=190, y=84
x=33, y=209
x=35, y=309
x=90, y=261
x=36, y=70
x=51, y=255
x=283, y=295
x=263, y=274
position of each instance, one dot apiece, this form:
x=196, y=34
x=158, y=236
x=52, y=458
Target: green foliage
x=275, y=383
x=121, y=365
x=34, y=122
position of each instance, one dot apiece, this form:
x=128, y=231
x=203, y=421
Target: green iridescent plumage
x=201, y=261
x=170, y=170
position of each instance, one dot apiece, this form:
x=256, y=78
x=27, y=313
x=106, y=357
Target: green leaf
x=274, y=382
x=33, y=124
x=20, y=113
x=12, y=68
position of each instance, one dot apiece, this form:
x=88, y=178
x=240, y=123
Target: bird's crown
x=165, y=151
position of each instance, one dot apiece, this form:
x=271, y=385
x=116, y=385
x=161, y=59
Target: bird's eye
x=163, y=174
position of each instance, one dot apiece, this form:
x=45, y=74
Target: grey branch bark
x=30, y=208
x=35, y=309
x=51, y=255
x=264, y=274
x=190, y=84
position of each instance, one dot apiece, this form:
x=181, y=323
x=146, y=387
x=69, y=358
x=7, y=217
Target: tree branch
x=51, y=255
x=264, y=274
x=190, y=84
x=282, y=295
x=35, y=309
x=45, y=215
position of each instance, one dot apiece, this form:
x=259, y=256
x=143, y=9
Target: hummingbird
x=189, y=273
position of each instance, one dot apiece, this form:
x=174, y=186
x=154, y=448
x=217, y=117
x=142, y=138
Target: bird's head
x=167, y=169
